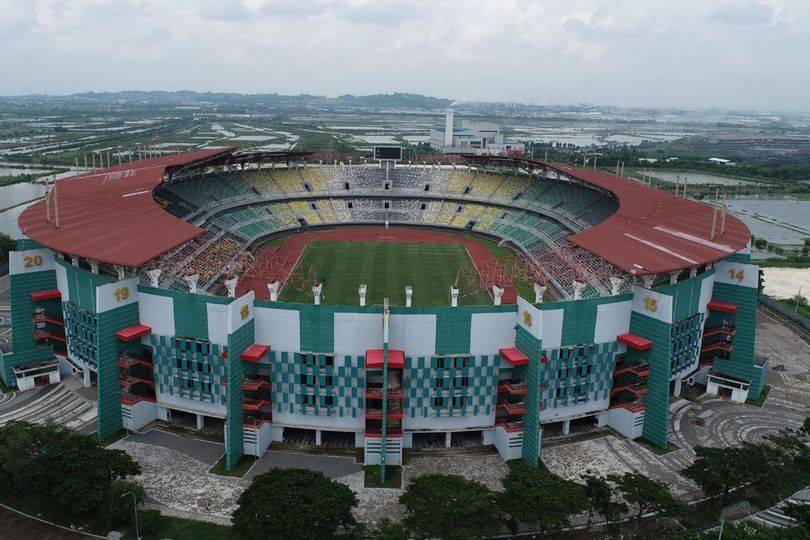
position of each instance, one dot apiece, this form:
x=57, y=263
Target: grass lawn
x=762, y=397
x=386, y=268
x=393, y=477
x=239, y=470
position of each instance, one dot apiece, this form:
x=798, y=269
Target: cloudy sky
x=749, y=54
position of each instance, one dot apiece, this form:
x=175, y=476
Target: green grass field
x=386, y=268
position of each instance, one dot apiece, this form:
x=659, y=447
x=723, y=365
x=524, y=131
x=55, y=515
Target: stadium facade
x=650, y=292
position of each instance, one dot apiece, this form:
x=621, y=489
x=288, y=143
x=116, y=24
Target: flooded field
x=783, y=221
x=700, y=178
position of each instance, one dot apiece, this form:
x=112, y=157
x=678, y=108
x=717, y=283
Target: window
x=438, y=402
x=306, y=187
x=303, y=379
x=440, y=383
x=440, y=361
x=328, y=380
x=459, y=401
x=427, y=187
x=387, y=205
x=330, y=360
x=423, y=206
x=466, y=190
x=328, y=401
x=561, y=392
x=313, y=206
x=387, y=185
x=346, y=186
x=350, y=204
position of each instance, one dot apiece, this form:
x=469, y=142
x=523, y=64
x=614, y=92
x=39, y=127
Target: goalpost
x=388, y=239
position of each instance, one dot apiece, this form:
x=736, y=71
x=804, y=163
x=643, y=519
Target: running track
x=296, y=243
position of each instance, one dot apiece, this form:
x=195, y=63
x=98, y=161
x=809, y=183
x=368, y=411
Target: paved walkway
x=205, y=451
x=331, y=466
x=55, y=402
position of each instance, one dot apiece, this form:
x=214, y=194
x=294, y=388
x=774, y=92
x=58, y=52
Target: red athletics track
x=286, y=256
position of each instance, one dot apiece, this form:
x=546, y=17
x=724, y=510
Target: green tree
x=599, y=495
x=539, y=499
x=805, y=429
x=29, y=454
x=449, y=506
x=294, y=503
x=388, y=530
x=647, y=494
x=719, y=470
x=117, y=508
x=760, y=243
x=799, y=512
x=6, y=244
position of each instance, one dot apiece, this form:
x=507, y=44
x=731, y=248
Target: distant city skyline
x=728, y=54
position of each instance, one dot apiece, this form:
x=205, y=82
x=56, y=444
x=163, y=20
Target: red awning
x=374, y=359
x=514, y=356
x=50, y=294
x=255, y=352
x=635, y=342
x=723, y=307
x=133, y=332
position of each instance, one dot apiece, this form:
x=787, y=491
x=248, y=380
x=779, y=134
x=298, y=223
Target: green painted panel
x=741, y=361
x=109, y=393
x=317, y=325
x=453, y=328
x=656, y=402
x=234, y=436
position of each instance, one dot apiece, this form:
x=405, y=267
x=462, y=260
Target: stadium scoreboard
x=388, y=153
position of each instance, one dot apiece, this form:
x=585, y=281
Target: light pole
x=135, y=508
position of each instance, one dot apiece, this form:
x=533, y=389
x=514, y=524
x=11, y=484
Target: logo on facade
x=650, y=304
x=245, y=312
x=527, y=317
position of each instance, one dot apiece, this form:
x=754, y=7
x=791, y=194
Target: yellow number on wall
x=245, y=312
x=650, y=304
x=31, y=262
x=121, y=293
x=739, y=275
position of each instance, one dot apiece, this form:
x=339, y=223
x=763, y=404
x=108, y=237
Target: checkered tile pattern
x=450, y=385
x=309, y=383
x=578, y=374
x=80, y=331
x=189, y=368
x=686, y=339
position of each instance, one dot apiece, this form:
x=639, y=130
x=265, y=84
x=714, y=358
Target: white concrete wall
x=355, y=333
x=450, y=423
x=157, y=312
x=191, y=405
x=490, y=332
x=257, y=441
x=509, y=445
x=611, y=321
x=568, y=412
x=140, y=414
x=279, y=328
x=28, y=383
x=414, y=334
x=626, y=422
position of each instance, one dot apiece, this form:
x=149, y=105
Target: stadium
x=381, y=305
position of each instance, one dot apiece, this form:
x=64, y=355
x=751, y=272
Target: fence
x=784, y=311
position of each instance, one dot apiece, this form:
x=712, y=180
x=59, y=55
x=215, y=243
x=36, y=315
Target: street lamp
x=135, y=508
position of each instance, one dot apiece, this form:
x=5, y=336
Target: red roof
x=635, y=342
x=723, y=307
x=653, y=231
x=374, y=359
x=255, y=352
x=110, y=215
x=133, y=332
x=514, y=356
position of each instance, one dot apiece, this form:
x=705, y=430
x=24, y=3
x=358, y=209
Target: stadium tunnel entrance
x=210, y=425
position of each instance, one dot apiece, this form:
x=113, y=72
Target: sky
x=729, y=54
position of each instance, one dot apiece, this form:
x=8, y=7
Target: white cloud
x=624, y=52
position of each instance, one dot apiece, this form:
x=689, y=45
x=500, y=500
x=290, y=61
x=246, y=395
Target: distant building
x=721, y=161
x=480, y=138
x=647, y=160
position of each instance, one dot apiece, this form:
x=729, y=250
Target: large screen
x=388, y=152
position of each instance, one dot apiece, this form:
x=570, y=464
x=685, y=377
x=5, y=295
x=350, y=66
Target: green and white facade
x=611, y=361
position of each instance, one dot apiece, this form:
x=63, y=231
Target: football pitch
x=386, y=268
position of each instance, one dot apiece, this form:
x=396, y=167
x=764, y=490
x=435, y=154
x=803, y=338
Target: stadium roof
x=111, y=217
x=652, y=232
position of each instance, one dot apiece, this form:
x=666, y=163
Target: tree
x=539, y=499
x=719, y=470
x=388, y=530
x=798, y=511
x=760, y=243
x=6, y=244
x=117, y=508
x=294, y=503
x=449, y=506
x=805, y=429
x=30, y=453
x=647, y=494
x=599, y=495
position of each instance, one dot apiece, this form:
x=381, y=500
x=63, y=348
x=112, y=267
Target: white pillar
x=448, y=440
x=566, y=427
x=86, y=377
x=578, y=288
x=316, y=292
x=648, y=281
x=192, y=282
x=678, y=385
x=615, y=285
x=200, y=421
x=453, y=296
x=408, y=295
x=154, y=277
x=93, y=266
x=539, y=291
x=497, y=294
x=317, y=437
x=362, y=291
x=673, y=278
x=273, y=288
x=230, y=285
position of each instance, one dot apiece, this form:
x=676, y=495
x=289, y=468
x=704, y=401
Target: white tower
x=448, y=128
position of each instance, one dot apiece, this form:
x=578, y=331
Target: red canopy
x=723, y=307
x=374, y=359
x=255, y=352
x=50, y=294
x=514, y=356
x=635, y=342
x=133, y=332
